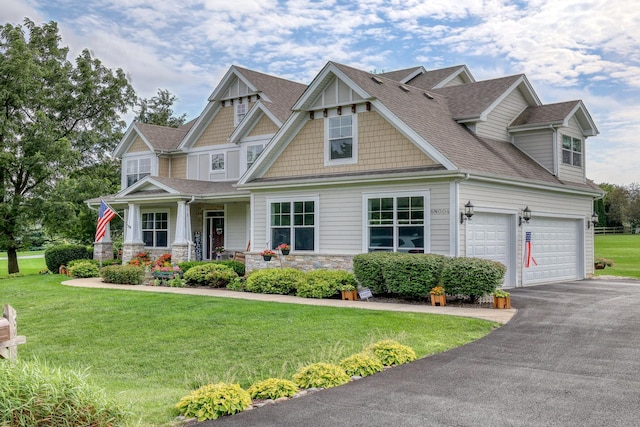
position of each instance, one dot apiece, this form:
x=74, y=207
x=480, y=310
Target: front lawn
x=150, y=349
x=27, y=265
x=623, y=249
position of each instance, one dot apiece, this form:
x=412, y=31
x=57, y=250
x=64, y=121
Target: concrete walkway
x=500, y=316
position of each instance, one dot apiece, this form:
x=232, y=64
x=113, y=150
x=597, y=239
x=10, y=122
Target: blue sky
x=569, y=49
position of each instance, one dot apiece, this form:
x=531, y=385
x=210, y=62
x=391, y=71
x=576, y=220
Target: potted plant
x=501, y=299
x=218, y=250
x=284, y=248
x=349, y=292
x=267, y=254
x=438, y=296
x=601, y=263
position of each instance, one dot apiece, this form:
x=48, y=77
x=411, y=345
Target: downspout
x=189, y=241
x=454, y=215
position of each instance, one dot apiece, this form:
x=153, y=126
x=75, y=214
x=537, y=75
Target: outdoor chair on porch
x=240, y=256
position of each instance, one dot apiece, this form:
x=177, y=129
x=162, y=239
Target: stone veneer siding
x=304, y=262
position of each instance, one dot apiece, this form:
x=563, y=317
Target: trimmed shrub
x=211, y=274
x=325, y=283
x=56, y=256
x=369, y=270
x=391, y=352
x=238, y=284
x=212, y=401
x=361, y=364
x=283, y=281
x=34, y=394
x=122, y=274
x=273, y=388
x=473, y=277
x=236, y=266
x=187, y=265
x=413, y=275
x=321, y=375
x=83, y=268
x=114, y=261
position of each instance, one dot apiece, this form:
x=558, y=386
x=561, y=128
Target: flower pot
x=440, y=300
x=501, y=302
x=599, y=266
x=266, y=257
x=350, y=295
x=285, y=251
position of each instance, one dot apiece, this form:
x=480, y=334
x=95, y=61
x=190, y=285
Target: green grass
x=27, y=266
x=623, y=249
x=150, y=349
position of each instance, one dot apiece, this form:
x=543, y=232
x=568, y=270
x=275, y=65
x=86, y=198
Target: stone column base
x=103, y=251
x=179, y=253
x=129, y=250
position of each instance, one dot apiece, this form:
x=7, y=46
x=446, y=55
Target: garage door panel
x=555, y=248
x=488, y=237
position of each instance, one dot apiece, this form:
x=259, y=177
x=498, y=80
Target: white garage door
x=557, y=249
x=490, y=236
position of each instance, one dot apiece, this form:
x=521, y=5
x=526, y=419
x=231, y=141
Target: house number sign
x=444, y=211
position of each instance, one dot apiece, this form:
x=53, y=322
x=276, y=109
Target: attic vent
x=404, y=88
x=428, y=95
x=376, y=79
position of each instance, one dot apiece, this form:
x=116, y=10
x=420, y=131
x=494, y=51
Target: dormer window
x=341, y=140
x=137, y=169
x=240, y=112
x=571, y=151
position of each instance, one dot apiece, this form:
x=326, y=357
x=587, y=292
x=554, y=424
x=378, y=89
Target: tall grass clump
x=34, y=394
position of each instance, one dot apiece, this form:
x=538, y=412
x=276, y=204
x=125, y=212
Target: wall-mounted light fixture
x=525, y=216
x=593, y=221
x=468, y=212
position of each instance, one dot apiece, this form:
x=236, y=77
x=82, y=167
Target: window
x=253, y=151
x=294, y=223
x=396, y=224
x=155, y=229
x=240, y=112
x=137, y=169
x=217, y=162
x=571, y=151
x=341, y=144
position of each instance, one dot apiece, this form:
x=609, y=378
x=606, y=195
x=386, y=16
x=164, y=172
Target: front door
x=215, y=232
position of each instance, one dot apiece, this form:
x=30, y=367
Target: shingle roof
x=432, y=78
x=545, y=114
x=283, y=93
x=399, y=75
x=199, y=188
x=472, y=99
x=432, y=120
x=164, y=138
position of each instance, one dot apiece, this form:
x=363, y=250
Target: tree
x=157, y=110
x=66, y=215
x=55, y=117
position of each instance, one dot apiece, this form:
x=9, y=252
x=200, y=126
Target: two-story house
x=409, y=161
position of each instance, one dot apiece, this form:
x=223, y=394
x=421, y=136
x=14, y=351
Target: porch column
x=180, y=246
x=133, y=242
x=103, y=250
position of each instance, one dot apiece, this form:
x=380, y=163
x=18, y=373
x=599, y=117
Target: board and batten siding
x=235, y=219
x=543, y=204
x=538, y=145
x=569, y=172
x=341, y=214
x=495, y=127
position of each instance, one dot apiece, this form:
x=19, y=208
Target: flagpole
x=117, y=214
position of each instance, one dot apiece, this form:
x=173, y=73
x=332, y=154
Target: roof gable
x=557, y=114
x=156, y=138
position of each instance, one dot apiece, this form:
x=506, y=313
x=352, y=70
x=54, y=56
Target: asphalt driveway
x=569, y=357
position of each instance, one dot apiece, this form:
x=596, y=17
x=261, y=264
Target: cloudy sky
x=569, y=49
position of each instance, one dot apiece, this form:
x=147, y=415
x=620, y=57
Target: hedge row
x=56, y=256
x=289, y=281
x=414, y=275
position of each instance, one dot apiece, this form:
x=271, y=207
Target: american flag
x=528, y=257
x=105, y=214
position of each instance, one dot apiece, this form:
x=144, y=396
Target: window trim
x=316, y=226
x=354, y=140
x=224, y=162
x=137, y=161
x=395, y=195
x=247, y=147
x=237, y=117
x=168, y=229
x=572, y=151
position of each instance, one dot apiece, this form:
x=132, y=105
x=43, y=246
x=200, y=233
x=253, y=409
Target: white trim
x=291, y=199
x=224, y=162
x=327, y=141
x=426, y=194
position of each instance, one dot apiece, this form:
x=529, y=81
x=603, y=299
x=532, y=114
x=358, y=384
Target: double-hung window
x=295, y=223
x=137, y=169
x=571, y=151
x=341, y=140
x=155, y=229
x=240, y=112
x=253, y=151
x=217, y=162
x=396, y=223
